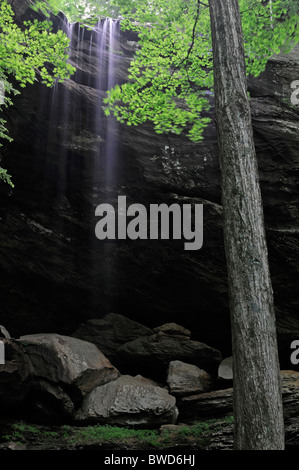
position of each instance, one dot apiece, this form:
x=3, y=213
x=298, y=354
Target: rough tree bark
x=257, y=391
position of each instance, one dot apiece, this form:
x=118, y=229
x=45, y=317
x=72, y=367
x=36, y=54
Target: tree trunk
x=258, y=413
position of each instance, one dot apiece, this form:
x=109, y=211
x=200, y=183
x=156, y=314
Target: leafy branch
x=26, y=54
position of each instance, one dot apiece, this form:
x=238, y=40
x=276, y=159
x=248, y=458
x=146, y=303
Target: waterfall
x=78, y=165
x=107, y=40
x=77, y=124
x=106, y=44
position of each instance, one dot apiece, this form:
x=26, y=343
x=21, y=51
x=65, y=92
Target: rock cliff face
x=55, y=274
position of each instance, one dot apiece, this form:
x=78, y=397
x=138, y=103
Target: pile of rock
x=73, y=378
x=134, y=348
x=53, y=377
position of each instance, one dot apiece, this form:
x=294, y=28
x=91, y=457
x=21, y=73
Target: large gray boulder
x=67, y=360
x=129, y=401
x=187, y=379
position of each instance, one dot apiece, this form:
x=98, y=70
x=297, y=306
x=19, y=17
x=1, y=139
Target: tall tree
x=257, y=394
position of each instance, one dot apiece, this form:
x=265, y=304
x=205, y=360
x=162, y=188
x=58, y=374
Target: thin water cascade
x=107, y=34
x=79, y=166
x=111, y=148
x=107, y=40
x=78, y=130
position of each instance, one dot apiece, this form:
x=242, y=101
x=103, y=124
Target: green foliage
x=268, y=28
x=4, y=176
x=27, y=53
x=87, y=12
x=171, y=76
x=19, y=429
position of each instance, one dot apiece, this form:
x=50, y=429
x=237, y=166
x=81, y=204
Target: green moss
x=205, y=428
x=23, y=427
x=197, y=435
x=20, y=430
x=112, y=434
x=199, y=432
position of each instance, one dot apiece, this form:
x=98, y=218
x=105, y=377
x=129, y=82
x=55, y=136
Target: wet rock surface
x=50, y=260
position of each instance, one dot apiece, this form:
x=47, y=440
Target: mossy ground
x=22, y=435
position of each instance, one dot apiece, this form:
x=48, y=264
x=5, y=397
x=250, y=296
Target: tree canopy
x=86, y=12
x=27, y=53
x=171, y=76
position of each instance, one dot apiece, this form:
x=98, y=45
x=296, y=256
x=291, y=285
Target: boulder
x=110, y=332
x=151, y=355
x=15, y=375
x=67, y=360
x=187, y=379
x=129, y=401
x=225, y=369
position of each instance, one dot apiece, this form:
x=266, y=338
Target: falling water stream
x=95, y=56
x=82, y=143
